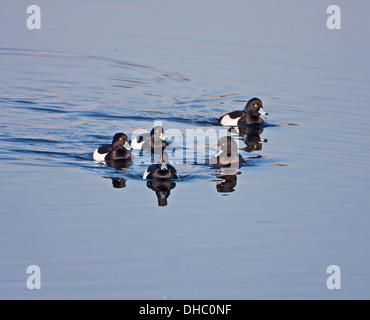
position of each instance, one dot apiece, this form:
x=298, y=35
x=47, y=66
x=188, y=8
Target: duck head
x=157, y=133
x=120, y=141
x=254, y=108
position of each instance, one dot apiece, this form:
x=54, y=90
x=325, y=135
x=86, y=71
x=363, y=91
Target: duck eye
x=120, y=138
x=256, y=105
x=156, y=131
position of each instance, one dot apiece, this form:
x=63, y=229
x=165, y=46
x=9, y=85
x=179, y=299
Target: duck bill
x=263, y=113
x=163, y=166
x=127, y=145
x=219, y=151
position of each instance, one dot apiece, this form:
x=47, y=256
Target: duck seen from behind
x=250, y=115
x=162, y=170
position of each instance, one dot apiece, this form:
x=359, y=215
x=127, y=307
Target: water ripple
x=58, y=114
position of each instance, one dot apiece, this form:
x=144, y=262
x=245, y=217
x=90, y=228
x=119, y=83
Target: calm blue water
x=270, y=231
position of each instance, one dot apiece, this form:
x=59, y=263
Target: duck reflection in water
x=227, y=161
x=119, y=164
x=228, y=184
x=162, y=189
x=251, y=135
x=161, y=175
x=119, y=182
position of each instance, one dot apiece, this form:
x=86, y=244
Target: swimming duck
x=227, y=154
x=250, y=115
x=162, y=170
x=114, y=151
x=154, y=139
